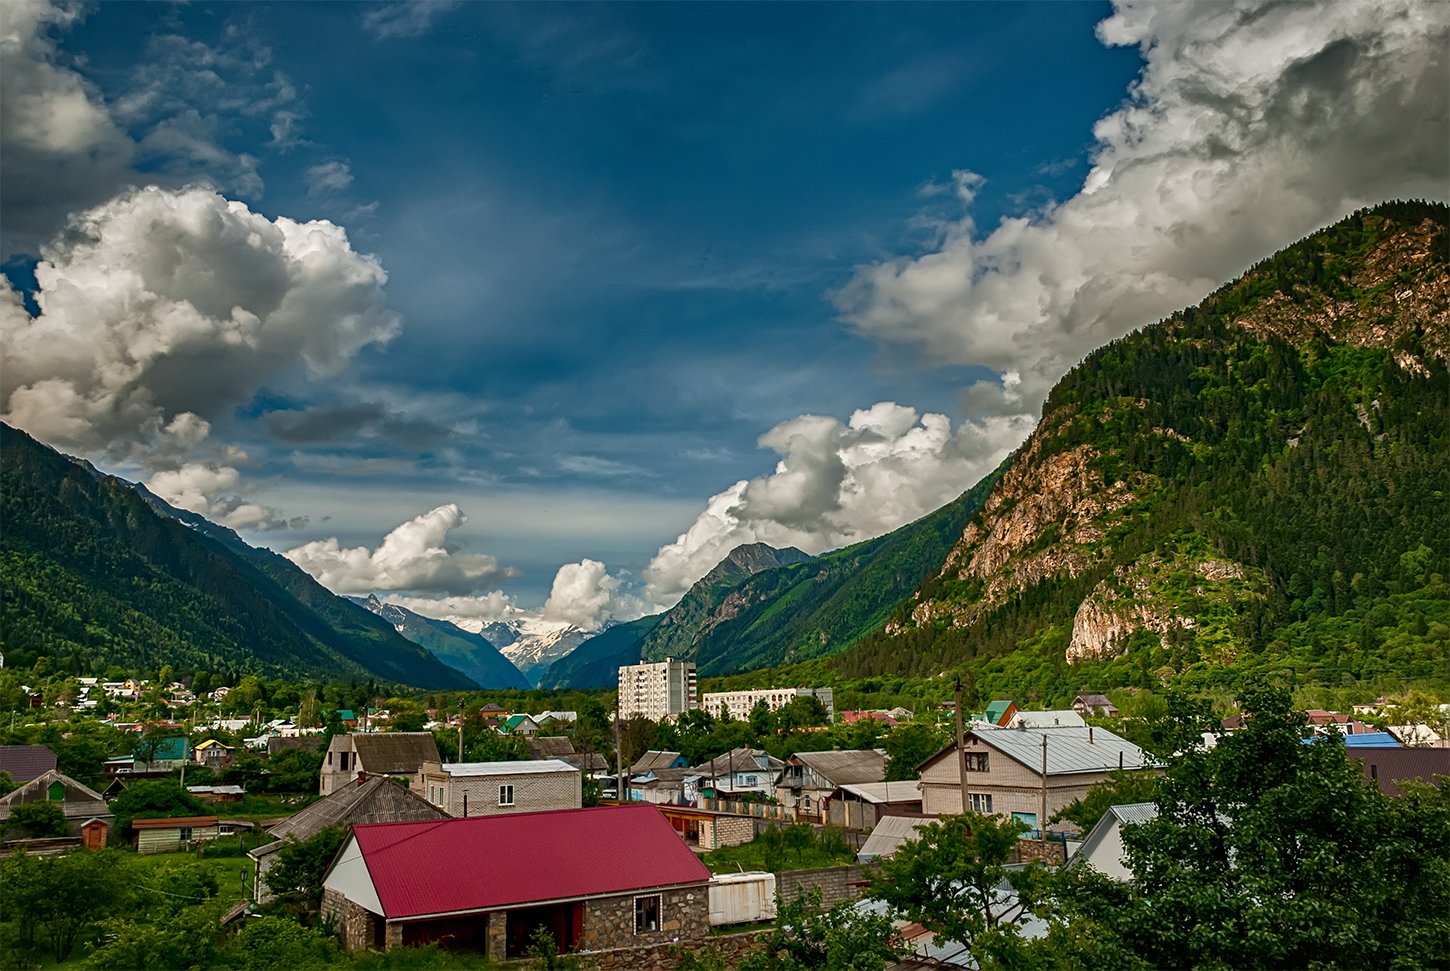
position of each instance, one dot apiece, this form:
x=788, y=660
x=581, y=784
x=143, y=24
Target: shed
x=175, y=833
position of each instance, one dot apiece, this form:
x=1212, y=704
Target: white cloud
x=1250, y=126
x=837, y=484
x=62, y=148
x=404, y=18
x=413, y=557
x=470, y=613
x=585, y=595
x=328, y=177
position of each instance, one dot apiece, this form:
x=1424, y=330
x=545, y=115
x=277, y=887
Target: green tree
x=1119, y=788
x=160, y=799
x=840, y=938
x=301, y=865
x=37, y=820
x=293, y=770
x=1254, y=845
x=276, y=943
x=53, y=899
x=908, y=746
x=953, y=880
x=7, y=784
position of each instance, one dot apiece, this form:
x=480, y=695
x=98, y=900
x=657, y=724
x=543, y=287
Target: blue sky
x=623, y=243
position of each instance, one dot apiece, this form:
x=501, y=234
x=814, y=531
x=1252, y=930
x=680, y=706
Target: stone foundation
x=355, y=925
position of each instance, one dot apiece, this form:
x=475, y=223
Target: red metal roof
x=452, y=865
x=174, y=822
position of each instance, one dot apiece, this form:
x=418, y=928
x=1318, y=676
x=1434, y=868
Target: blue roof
x=1363, y=740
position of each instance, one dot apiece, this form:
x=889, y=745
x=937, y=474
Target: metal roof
x=890, y=832
x=887, y=792
x=25, y=762
x=466, y=865
x=524, y=767
x=741, y=760
x=1069, y=750
x=174, y=822
x=401, y=752
x=845, y=768
x=657, y=759
x=1057, y=718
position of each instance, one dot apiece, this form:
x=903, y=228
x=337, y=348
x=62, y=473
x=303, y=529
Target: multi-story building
x=739, y=704
x=657, y=691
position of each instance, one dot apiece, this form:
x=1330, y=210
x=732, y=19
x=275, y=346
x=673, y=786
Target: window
x=506, y=795
x=977, y=762
x=981, y=803
x=329, y=758
x=342, y=760
x=647, y=913
x=185, y=832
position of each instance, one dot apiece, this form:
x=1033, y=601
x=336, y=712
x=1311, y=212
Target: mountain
x=531, y=644
x=595, y=663
x=462, y=650
x=94, y=573
x=1255, y=483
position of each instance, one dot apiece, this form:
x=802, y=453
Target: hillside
x=462, y=650
x=1258, y=482
x=92, y=574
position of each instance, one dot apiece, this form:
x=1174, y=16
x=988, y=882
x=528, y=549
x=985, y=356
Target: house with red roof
x=605, y=878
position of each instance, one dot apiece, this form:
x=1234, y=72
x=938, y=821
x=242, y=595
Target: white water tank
x=742, y=898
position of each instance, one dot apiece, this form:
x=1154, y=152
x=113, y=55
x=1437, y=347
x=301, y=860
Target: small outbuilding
x=78, y=802
x=175, y=833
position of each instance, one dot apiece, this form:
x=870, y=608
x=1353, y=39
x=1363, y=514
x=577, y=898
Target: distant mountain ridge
x=95, y=572
x=464, y=651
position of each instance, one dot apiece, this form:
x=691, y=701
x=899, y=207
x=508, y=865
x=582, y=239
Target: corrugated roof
x=80, y=799
x=1388, y=767
x=1068, y=749
x=890, y=832
x=375, y=800
x=460, y=865
x=741, y=760
x=394, y=751
x=549, y=746
x=655, y=759
x=524, y=767
x=25, y=762
x=1057, y=718
x=848, y=767
x=885, y=792
x=1135, y=812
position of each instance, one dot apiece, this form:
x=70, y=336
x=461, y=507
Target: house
x=602, y=878
x=348, y=717
x=78, y=802
x=556, y=718
x=468, y=789
x=1102, y=847
x=1389, y=767
x=656, y=759
x=808, y=778
x=214, y=754
x=216, y=794
x=1086, y=705
x=398, y=755
x=176, y=833
x=374, y=800
x=1416, y=736
x=666, y=787
x=520, y=724
x=1060, y=718
x=740, y=772
x=1004, y=770
x=162, y=755
x=493, y=713
x=26, y=762
x=854, y=716
x=562, y=747
x=861, y=805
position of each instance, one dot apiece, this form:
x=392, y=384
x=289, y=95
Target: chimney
x=1090, y=734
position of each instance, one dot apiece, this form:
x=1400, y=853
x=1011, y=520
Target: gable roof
x=885, y=792
x=549, y=746
x=1116, y=816
x=657, y=759
x=1069, y=750
x=1058, y=718
x=845, y=768
x=888, y=835
x=1096, y=701
x=468, y=865
x=80, y=800
x=998, y=710
x=25, y=762
x=1388, y=767
x=374, y=800
x=173, y=749
x=515, y=721
x=740, y=760
x=521, y=767
x=401, y=752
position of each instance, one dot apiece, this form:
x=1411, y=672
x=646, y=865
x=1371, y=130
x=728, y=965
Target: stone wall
x=837, y=883
x=354, y=924
x=609, y=921
x=1053, y=852
x=666, y=957
x=726, y=831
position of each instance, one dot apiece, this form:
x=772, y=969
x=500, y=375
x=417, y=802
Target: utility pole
x=961, y=747
x=619, y=794
x=1042, y=819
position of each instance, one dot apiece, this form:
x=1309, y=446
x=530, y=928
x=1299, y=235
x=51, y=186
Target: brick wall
x=532, y=792
x=837, y=883
x=609, y=921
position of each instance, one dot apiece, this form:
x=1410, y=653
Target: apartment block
x=657, y=691
x=738, y=704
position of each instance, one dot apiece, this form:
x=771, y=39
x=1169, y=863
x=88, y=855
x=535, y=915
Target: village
x=557, y=849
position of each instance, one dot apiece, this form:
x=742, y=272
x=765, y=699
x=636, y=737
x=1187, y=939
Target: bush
x=36, y=820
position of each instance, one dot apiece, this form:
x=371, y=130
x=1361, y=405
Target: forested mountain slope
x=473, y=654
x=1258, y=481
x=91, y=574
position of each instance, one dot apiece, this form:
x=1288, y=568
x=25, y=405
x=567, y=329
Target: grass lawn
x=757, y=856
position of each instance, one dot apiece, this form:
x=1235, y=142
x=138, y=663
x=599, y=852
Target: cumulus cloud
x=414, y=557
x=161, y=311
x=837, y=484
x=470, y=613
x=62, y=148
x=1249, y=126
x=585, y=595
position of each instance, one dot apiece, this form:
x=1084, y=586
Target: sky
x=536, y=311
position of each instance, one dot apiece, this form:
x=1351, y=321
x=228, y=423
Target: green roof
x=167, y=750
x=996, y=710
x=514, y=721
x=345, y=714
